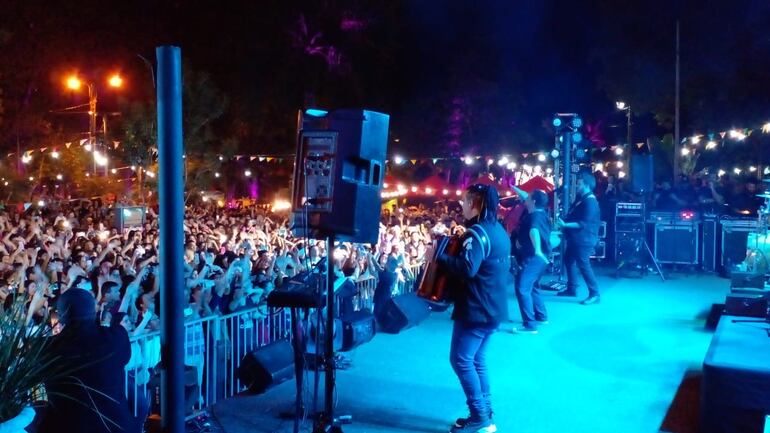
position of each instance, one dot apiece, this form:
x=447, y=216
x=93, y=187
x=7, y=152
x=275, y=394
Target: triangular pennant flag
x=252, y=158
x=27, y=205
x=83, y=141
x=749, y=131
x=42, y=149
x=413, y=161
x=269, y=159
x=639, y=145
x=237, y=157
x=435, y=160
x=68, y=144
x=261, y=158
x=115, y=144
x=604, y=148
x=525, y=155
x=722, y=134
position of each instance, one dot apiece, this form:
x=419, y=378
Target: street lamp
x=74, y=83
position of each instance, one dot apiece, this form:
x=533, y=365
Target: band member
x=533, y=248
x=581, y=228
x=481, y=305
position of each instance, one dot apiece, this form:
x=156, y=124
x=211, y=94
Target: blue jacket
x=483, y=264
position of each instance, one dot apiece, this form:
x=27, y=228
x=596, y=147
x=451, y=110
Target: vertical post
x=92, y=121
x=171, y=251
x=628, y=130
x=567, y=184
x=676, y=110
x=329, y=334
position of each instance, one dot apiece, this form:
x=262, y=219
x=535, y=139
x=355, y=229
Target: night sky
x=456, y=76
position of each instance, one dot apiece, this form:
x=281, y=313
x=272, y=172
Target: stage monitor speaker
x=338, y=173
x=746, y=305
x=267, y=366
x=402, y=312
x=357, y=328
x=641, y=173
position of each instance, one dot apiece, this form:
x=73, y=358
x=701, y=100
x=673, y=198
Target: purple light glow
x=313, y=46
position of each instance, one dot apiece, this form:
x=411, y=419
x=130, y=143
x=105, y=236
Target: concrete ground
x=612, y=367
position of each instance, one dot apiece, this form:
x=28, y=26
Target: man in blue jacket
x=481, y=305
x=581, y=229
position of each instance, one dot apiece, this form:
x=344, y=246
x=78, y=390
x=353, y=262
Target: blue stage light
x=315, y=112
x=577, y=137
x=556, y=122
x=577, y=122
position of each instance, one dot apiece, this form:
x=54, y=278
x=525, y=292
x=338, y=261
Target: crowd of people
x=704, y=193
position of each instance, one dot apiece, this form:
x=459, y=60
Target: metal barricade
x=214, y=347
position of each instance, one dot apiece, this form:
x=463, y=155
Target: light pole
x=622, y=106
x=74, y=83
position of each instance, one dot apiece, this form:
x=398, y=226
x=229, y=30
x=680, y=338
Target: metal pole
x=329, y=337
x=628, y=129
x=171, y=249
x=567, y=184
x=92, y=120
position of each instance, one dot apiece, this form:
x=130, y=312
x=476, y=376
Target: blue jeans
x=578, y=258
x=531, y=304
x=468, y=358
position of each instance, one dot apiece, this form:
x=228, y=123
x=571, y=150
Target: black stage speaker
x=338, y=173
x=676, y=243
x=402, y=312
x=641, y=173
x=357, y=328
x=746, y=305
x=267, y=366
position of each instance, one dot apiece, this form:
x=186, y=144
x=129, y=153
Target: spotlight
x=557, y=122
x=247, y=173
x=541, y=157
x=577, y=137
x=580, y=153
x=752, y=169
x=55, y=155
x=490, y=161
x=721, y=173
x=502, y=161
x=737, y=170
x=468, y=160
x=511, y=165
x=59, y=177
x=598, y=166
x=618, y=151
x=577, y=122
x=620, y=105
x=555, y=153
x=711, y=144
x=398, y=160
x=620, y=164
x=621, y=174
x=685, y=151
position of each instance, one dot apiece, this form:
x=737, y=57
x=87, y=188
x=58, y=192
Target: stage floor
x=611, y=367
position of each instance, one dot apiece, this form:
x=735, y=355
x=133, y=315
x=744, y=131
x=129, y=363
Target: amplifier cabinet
x=735, y=239
x=677, y=243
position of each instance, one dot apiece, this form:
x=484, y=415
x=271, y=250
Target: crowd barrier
x=214, y=347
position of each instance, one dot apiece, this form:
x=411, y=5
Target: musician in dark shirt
x=581, y=229
x=532, y=241
x=481, y=305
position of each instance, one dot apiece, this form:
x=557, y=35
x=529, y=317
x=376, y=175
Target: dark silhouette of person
x=92, y=398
